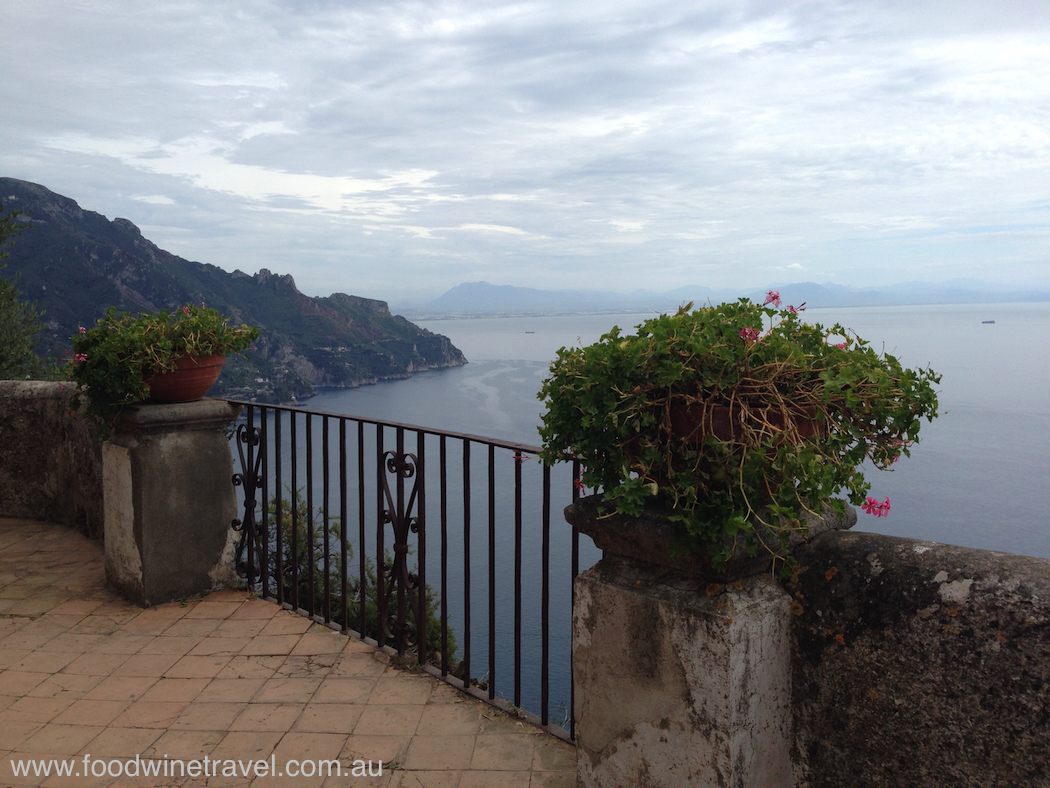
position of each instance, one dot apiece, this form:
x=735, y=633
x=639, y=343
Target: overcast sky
x=394, y=149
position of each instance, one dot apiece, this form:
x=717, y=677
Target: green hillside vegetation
x=74, y=263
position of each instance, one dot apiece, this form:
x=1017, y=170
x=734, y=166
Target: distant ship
x=987, y=321
x=533, y=332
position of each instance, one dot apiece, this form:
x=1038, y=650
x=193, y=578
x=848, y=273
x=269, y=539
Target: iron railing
x=331, y=538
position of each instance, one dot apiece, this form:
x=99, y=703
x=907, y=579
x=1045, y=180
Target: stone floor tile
x=267, y=717
x=121, y=688
x=247, y=744
x=185, y=744
x=227, y=595
x=146, y=665
x=38, y=604
x=320, y=640
x=388, y=749
x=358, y=664
x=15, y=729
x=210, y=646
x=44, y=661
x=428, y=779
x=329, y=717
x=116, y=644
x=64, y=685
x=255, y=609
x=198, y=667
x=232, y=690
x=380, y=776
x=96, y=664
x=448, y=719
x=499, y=753
x=270, y=645
x=300, y=746
x=116, y=742
x=287, y=690
x=401, y=688
x=9, y=657
x=377, y=720
x=285, y=623
x=20, y=682
x=251, y=667
x=177, y=645
x=82, y=607
x=76, y=643
x=177, y=690
x=91, y=712
x=481, y=779
x=233, y=628
x=345, y=690
x=56, y=740
x=208, y=716
x=309, y=666
x=440, y=752
x=150, y=714
x=563, y=779
x=193, y=627
x=106, y=625
x=210, y=609
x=40, y=709
x=551, y=755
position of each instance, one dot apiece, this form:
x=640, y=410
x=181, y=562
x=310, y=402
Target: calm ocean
x=977, y=478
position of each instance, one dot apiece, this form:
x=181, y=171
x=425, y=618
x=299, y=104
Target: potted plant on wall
x=740, y=419
x=167, y=356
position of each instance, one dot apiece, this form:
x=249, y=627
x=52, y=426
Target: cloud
x=361, y=146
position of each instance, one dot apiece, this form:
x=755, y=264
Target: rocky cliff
x=74, y=263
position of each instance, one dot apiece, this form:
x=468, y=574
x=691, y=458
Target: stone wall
x=50, y=463
x=919, y=663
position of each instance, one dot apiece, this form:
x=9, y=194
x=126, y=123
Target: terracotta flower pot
x=190, y=380
x=695, y=422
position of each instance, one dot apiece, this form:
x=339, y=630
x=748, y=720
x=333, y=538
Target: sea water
x=978, y=477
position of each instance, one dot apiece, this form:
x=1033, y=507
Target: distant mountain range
x=482, y=298
x=74, y=263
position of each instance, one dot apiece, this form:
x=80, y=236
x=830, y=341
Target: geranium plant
x=739, y=418
x=113, y=361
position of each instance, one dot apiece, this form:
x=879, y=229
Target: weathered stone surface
x=920, y=664
x=652, y=538
x=50, y=462
x=169, y=501
x=674, y=687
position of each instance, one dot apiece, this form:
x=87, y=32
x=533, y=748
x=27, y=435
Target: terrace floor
x=227, y=677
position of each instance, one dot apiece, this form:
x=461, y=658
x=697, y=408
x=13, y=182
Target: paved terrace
x=228, y=676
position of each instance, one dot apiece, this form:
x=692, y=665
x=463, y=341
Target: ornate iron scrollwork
x=253, y=533
x=401, y=592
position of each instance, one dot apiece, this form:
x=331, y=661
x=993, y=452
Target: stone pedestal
x=681, y=677
x=169, y=501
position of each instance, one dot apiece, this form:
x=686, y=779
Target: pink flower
x=772, y=297
x=749, y=335
x=82, y=329
x=578, y=484
x=841, y=345
x=186, y=310
x=80, y=357
x=520, y=457
x=796, y=309
x=872, y=506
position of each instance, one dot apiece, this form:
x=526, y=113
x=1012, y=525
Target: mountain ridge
x=75, y=262
x=476, y=299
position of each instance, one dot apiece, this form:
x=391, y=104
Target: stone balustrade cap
x=202, y=414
